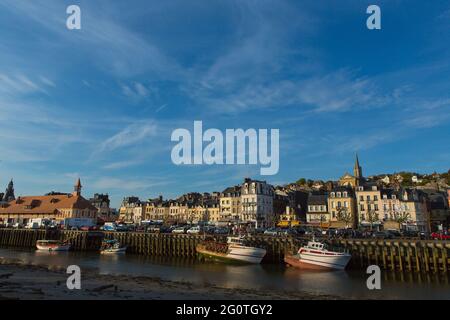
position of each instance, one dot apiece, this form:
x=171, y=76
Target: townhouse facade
x=369, y=204
x=130, y=210
x=318, y=213
x=341, y=205
x=230, y=204
x=104, y=211
x=257, y=203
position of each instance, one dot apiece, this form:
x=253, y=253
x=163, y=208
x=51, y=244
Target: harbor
x=404, y=255
x=41, y=275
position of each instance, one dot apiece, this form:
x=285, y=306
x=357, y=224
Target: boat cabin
x=236, y=240
x=316, y=245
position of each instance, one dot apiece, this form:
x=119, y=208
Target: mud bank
x=19, y=280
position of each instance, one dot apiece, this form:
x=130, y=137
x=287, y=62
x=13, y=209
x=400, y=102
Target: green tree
x=343, y=215
x=401, y=217
x=372, y=217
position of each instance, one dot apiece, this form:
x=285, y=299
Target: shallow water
x=262, y=277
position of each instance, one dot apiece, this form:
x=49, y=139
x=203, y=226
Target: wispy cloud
x=130, y=136
x=135, y=91
x=121, y=164
x=337, y=91
x=138, y=185
x=112, y=46
x=20, y=84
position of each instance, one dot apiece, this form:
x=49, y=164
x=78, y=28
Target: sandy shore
x=37, y=282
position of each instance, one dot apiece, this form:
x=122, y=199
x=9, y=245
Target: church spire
x=357, y=170
x=77, y=188
x=9, y=192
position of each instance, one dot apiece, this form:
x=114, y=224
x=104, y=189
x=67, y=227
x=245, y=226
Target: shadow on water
x=351, y=284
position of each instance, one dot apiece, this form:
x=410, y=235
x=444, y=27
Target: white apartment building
x=257, y=203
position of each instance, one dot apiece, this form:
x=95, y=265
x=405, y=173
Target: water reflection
x=262, y=277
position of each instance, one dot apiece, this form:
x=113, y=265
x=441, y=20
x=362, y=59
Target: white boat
x=315, y=256
x=234, y=250
x=52, y=245
x=112, y=246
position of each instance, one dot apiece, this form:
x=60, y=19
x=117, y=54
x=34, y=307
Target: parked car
x=424, y=235
x=440, y=236
x=221, y=230
x=259, y=230
x=122, y=228
x=153, y=229
x=164, y=229
x=140, y=229
x=394, y=233
x=179, y=230
x=300, y=231
x=271, y=232
x=382, y=235
x=288, y=232
x=209, y=229
x=194, y=230
x=410, y=234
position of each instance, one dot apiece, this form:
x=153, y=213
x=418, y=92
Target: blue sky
x=101, y=102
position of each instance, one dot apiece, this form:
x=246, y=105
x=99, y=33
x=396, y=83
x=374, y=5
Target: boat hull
x=114, y=251
x=321, y=263
x=245, y=255
x=53, y=247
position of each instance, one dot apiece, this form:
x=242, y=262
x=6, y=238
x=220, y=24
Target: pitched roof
x=45, y=204
x=315, y=199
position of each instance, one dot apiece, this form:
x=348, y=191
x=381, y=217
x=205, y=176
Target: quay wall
x=400, y=255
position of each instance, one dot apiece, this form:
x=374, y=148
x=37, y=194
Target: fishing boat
x=315, y=256
x=52, y=245
x=235, y=250
x=112, y=246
